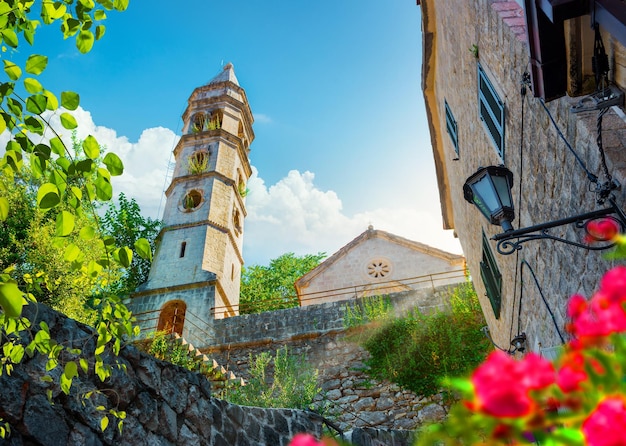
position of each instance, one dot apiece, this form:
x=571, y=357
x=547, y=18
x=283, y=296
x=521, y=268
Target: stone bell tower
x=197, y=266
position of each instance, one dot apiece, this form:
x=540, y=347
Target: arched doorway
x=172, y=317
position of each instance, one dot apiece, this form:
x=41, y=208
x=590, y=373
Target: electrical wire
x=545, y=301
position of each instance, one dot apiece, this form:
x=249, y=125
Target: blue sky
x=341, y=134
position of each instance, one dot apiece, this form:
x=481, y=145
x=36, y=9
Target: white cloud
x=260, y=118
x=294, y=215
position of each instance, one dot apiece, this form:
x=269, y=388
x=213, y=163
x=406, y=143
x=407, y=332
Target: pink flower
x=502, y=384
x=604, y=314
x=305, y=440
x=613, y=284
x=605, y=425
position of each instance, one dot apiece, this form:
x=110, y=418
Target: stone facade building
x=375, y=263
x=477, y=56
x=197, y=266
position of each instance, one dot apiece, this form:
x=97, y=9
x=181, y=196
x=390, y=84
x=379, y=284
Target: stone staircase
x=217, y=374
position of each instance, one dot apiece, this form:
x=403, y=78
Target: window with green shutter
x=451, y=127
x=492, y=279
x=491, y=111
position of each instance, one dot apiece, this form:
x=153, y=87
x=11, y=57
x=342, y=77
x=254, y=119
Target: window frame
x=491, y=277
x=491, y=110
x=452, y=127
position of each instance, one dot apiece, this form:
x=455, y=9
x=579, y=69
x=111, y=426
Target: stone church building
x=197, y=265
x=375, y=263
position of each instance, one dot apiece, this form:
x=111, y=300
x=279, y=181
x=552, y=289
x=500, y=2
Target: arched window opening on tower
x=172, y=317
x=214, y=120
x=192, y=200
x=183, y=247
x=241, y=186
x=240, y=132
x=198, y=162
x=237, y=220
x=197, y=123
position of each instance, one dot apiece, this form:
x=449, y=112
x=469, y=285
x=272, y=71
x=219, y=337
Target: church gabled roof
x=226, y=75
x=377, y=233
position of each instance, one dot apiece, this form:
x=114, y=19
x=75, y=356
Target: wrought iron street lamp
x=490, y=190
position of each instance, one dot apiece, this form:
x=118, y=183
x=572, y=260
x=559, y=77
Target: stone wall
x=349, y=396
x=297, y=322
x=317, y=332
x=548, y=182
x=165, y=404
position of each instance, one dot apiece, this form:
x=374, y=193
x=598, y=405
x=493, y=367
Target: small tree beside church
x=267, y=288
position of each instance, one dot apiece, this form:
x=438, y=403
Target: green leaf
x=84, y=365
x=34, y=125
x=99, y=14
x=12, y=70
x=142, y=246
x=77, y=192
x=71, y=370
x=84, y=41
x=36, y=63
x=126, y=256
x=87, y=4
x=52, y=11
x=10, y=37
x=4, y=208
x=36, y=103
x=104, y=422
x=91, y=147
x=15, y=107
x=114, y=164
x=48, y=196
x=32, y=85
x=11, y=299
x=104, y=190
x=68, y=121
x=100, y=29
x=72, y=253
x=53, y=102
x=87, y=233
x=120, y=5
x=64, y=224
x=57, y=146
x=70, y=100
x=3, y=124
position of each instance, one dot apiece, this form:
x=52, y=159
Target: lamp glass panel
x=487, y=195
x=502, y=189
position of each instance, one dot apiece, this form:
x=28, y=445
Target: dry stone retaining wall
x=317, y=332
x=165, y=404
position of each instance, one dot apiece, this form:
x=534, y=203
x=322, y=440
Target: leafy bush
x=293, y=383
x=418, y=350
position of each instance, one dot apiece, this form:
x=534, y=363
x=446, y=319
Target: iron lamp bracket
x=512, y=241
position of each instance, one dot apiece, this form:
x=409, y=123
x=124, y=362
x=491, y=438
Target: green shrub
x=293, y=383
x=417, y=351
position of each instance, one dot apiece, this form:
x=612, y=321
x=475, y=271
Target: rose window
x=378, y=269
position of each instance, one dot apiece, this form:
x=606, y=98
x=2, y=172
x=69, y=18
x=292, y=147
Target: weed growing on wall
x=418, y=350
x=291, y=384
x=368, y=309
